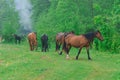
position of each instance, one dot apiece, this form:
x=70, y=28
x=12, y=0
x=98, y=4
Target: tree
x=8, y=20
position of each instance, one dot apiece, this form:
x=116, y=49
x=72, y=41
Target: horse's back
x=32, y=38
x=76, y=40
x=60, y=37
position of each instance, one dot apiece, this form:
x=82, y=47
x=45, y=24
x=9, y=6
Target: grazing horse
x=60, y=39
x=32, y=38
x=80, y=41
x=17, y=38
x=44, y=41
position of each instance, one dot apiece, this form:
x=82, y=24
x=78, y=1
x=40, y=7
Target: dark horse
x=44, y=41
x=17, y=38
x=32, y=38
x=60, y=39
x=80, y=41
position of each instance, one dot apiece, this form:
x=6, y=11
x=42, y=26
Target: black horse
x=17, y=38
x=44, y=41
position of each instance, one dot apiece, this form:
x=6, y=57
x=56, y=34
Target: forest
x=54, y=16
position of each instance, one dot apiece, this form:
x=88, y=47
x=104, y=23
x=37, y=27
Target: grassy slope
x=18, y=63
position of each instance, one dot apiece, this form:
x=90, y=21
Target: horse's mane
x=67, y=33
x=90, y=36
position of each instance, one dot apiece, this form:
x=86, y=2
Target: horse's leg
x=45, y=47
x=30, y=45
x=42, y=46
x=33, y=46
x=87, y=48
x=57, y=46
x=16, y=41
x=67, y=51
x=63, y=48
x=19, y=41
x=78, y=53
x=60, y=52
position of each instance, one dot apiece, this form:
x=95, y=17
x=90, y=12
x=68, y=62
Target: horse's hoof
x=67, y=57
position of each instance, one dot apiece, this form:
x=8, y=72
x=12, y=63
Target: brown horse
x=60, y=39
x=32, y=40
x=80, y=41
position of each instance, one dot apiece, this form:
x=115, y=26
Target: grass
x=17, y=62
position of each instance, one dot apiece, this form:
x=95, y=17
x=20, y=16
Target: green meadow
x=17, y=62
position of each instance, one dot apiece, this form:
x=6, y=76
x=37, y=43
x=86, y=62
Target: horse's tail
x=64, y=44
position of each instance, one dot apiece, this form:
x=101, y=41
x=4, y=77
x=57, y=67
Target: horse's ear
x=96, y=31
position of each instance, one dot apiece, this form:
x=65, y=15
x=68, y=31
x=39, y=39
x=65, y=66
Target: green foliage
x=115, y=20
x=115, y=15
x=9, y=20
x=109, y=27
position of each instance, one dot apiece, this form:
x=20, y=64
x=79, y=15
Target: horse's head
x=98, y=35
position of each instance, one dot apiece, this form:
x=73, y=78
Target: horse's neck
x=90, y=37
x=91, y=40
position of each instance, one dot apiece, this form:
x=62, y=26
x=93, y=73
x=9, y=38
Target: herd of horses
x=65, y=39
